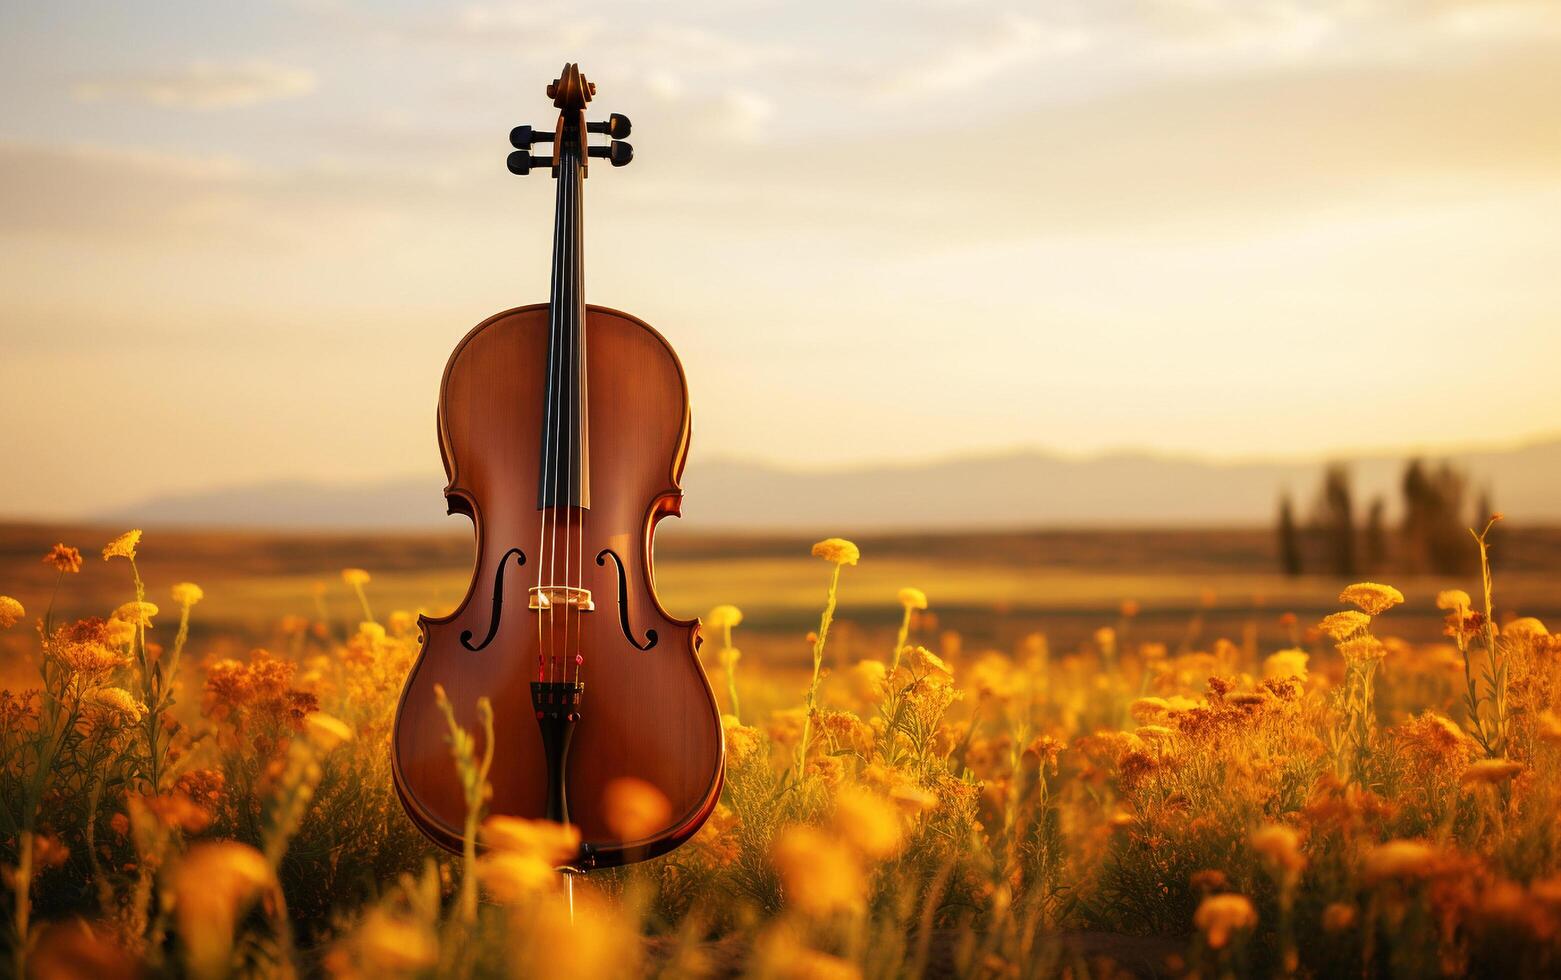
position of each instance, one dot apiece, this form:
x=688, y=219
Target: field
x=1026, y=754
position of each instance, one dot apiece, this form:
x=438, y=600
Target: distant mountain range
x=1018, y=489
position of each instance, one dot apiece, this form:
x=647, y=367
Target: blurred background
x=1207, y=307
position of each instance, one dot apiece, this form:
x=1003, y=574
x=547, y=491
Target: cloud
x=970, y=61
x=202, y=85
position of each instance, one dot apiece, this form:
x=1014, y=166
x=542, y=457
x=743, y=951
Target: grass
x=1014, y=781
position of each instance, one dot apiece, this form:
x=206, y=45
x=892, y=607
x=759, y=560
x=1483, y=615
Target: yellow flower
x=116, y=700
x=819, y=874
x=11, y=612
x=123, y=546
x=912, y=598
x=741, y=740
x=1490, y=772
x=211, y=887
x=1399, y=859
x=838, y=550
x=395, y=945
x=1286, y=663
x=355, y=577
x=1343, y=625
x=925, y=660
x=187, y=594
x=554, y=843
x=64, y=558
x=136, y=613
x=325, y=731
x=1280, y=845
x=729, y=656
x=1372, y=597
x=635, y=809
x=401, y=621
x=1219, y=916
x=1525, y=626
x=868, y=822
x=1453, y=600
x=724, y=617
x=1362, y=649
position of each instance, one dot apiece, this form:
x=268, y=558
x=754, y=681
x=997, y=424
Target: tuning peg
x=520, y=162
x=521, y=137
x=617, y=153
x=617, y=126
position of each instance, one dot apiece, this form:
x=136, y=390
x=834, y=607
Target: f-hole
x=623, y=602
x=498, y=602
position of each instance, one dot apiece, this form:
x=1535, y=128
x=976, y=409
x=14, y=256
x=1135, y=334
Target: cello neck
x=565, y=469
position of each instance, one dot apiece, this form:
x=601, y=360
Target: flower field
x=1314, y=797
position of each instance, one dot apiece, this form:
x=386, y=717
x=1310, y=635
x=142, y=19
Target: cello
x=564, y=428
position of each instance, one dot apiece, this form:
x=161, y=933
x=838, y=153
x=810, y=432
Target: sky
x=238, y=241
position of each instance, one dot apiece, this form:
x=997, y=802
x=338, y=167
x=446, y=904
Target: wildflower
x=123, y=546
x=1286, y=663
x=325, y=731
x=187, y=594
x=838, y=550
x=355, y=577
x=1373, y=598
x=1525, y=626
x=401, y=621
x=635, y=809
x=1490, y=772
x=741, y=740
x=64, y=557
x=1206, y=881
x=1343, y=625
x=116, y=700
x=1219, y=916
x=119, y=633
x=87, y=648
x=1281, y=846
x=1363, y=649
x=868, y=822
x=136, y=613
x=724, y=617
x=913, y=598
x=819, y=873
x=1339, y=916
x=1453, y=600
x=553, y=842
x=11, y=612
x=212, y=887
x=728, y=657
x=395, y=945
x=925, y=661
x=1399, y=859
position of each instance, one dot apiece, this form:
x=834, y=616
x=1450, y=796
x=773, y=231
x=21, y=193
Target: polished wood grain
x=647, y=715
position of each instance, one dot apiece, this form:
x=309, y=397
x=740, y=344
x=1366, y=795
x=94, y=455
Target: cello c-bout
x=564, y=428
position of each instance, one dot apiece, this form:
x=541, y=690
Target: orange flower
x=64, y=558
x=1221, y=916
x=635, y=809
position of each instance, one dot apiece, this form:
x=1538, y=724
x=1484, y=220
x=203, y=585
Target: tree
x=1289, y=538
x=1336, y=520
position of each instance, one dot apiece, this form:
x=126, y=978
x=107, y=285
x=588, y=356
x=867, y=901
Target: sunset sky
x=238, y=241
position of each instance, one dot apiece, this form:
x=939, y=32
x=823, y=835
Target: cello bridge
x=561, y=596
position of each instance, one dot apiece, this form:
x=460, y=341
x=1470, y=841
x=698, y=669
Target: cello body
x=641, y=708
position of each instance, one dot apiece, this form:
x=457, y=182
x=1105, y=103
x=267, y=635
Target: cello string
x=583, y=408
x=567, y=325
x=550, y=456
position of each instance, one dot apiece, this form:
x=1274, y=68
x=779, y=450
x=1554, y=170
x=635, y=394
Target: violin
x=564, y=428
